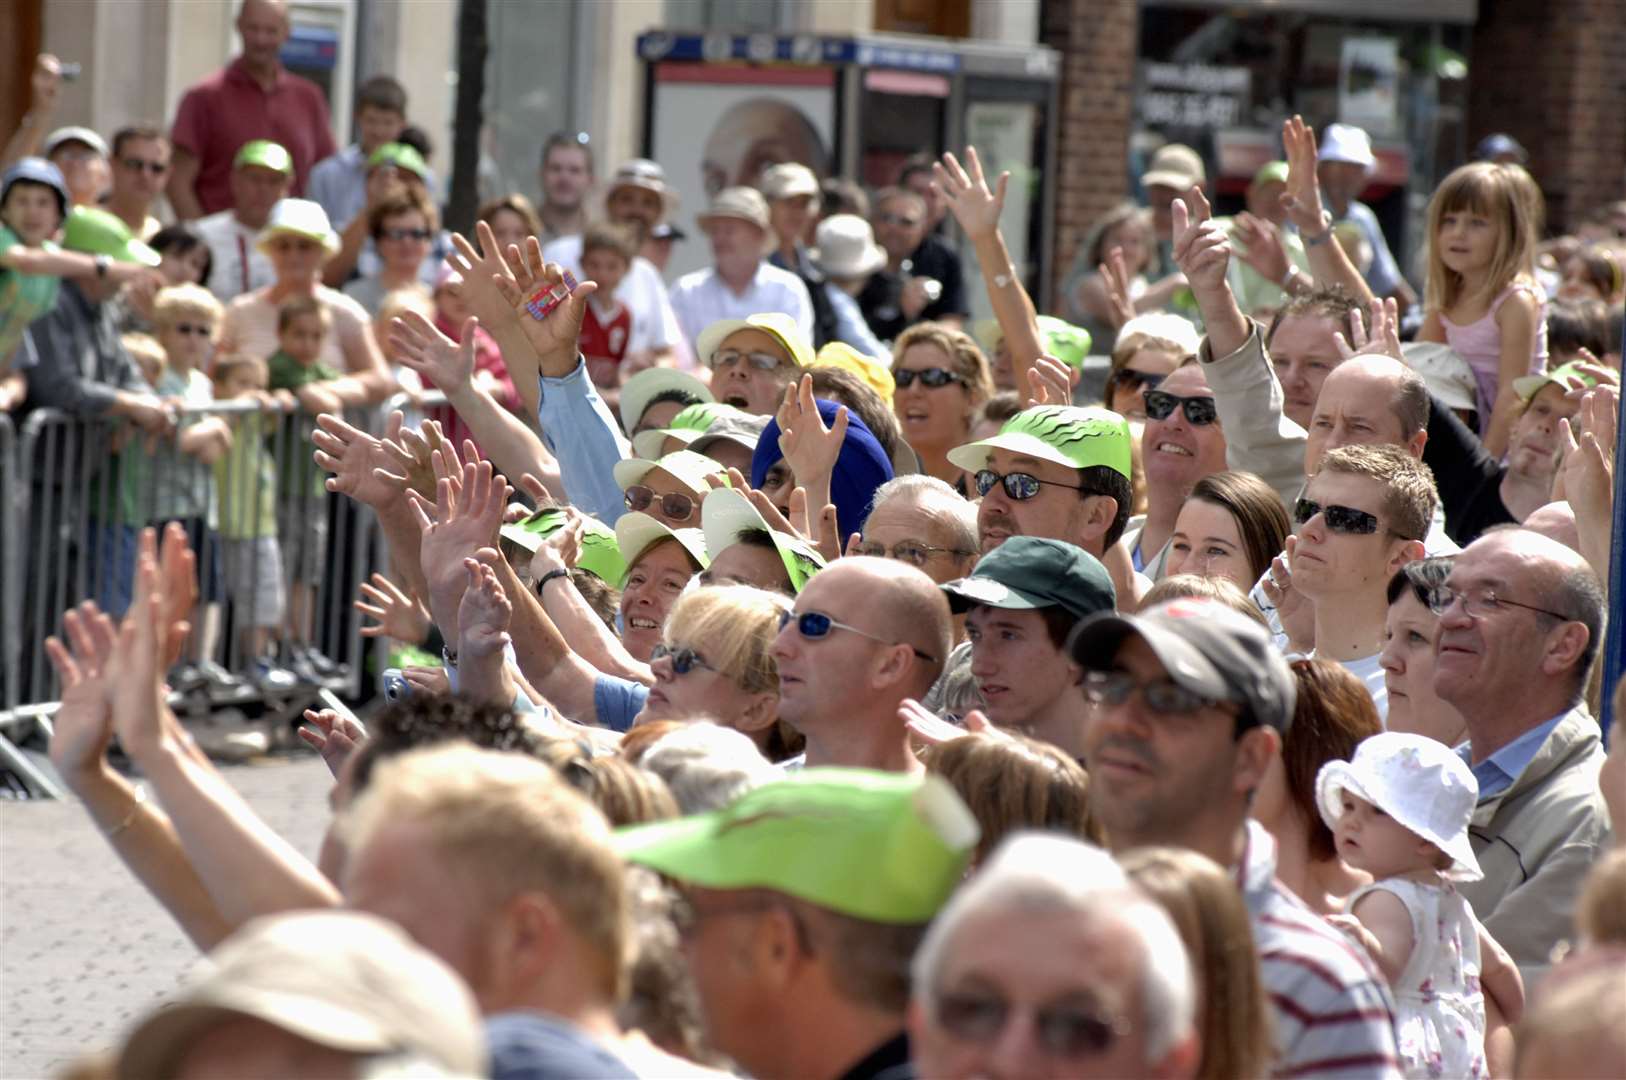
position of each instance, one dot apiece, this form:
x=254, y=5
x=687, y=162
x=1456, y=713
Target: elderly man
x=140, y=166
x=566, y=176
x=740, y=282
x=1521, y=620
x=806, y=900
x=1049, y=963
x=920, y=520
x=1191, y=699
x=864, y=635
x=260, y=178
x=253, y=97
x=922, y=279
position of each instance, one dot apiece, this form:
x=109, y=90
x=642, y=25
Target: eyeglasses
x=1480, y=602
x=816, y=625
x=1064, y=1029
x=135, y=164
x=684, y=660
x=1130, y=379
x=675, y=506
x=1164, y=696
x=898, y=220
x=912, y=552
x=760, y=360
x=1340, y=519
x=407, y=234
x=931, y=378
x=1200, y=411
x=194, y=329
x=1020, y=486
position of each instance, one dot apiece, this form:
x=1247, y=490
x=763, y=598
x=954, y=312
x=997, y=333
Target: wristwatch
x=1325, y=233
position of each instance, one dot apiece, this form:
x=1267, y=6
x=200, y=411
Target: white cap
x=1166, y=325
x=788, y=180
x=650, y=384
x=636, y=533
x=1448, y=375
x=1347, y=143
x=844, y=247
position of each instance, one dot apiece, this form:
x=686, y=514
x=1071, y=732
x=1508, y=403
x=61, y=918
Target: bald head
x=263, y=25
x=908, y=608
x=1368, y=400
x=1555, y=521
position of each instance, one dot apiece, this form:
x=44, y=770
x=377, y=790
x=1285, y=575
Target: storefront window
x=530, y=71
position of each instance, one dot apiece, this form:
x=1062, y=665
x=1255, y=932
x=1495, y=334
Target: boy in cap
x=261, y=174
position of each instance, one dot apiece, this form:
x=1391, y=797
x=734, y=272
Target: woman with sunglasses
x=1149, y=347
x=941, y=379
x=669, y=489
x=1231, y=526
x=1181, y=443
x=402, y=228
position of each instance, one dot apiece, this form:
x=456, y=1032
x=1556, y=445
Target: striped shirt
x=1331, y=1011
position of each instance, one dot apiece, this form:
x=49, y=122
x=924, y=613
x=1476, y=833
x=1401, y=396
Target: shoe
x=303, y=670
x=271, y=679
x=183, y=678
x=324, y=667
x=219, y=680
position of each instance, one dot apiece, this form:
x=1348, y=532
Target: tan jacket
x=1259, y=438
x=1537, y=840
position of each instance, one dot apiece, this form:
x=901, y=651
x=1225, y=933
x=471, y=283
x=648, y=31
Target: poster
x=1369, y=84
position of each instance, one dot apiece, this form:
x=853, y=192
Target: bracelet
x=542, y=581
x=1002, y=281
x=1324, y=235
x=448, y=657
x=135, y=808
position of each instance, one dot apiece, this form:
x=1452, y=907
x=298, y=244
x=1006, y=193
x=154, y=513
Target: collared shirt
x=1331, y=1010
x=578, y=430
x=236, y=264
x=229, y=108
x=535, y=1046
x=702, y=297
x=339, y=183
x=1497, y=772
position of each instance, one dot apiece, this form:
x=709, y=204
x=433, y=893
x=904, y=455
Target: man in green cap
x=1021, y=603
x=806, y=900
x=261, y=175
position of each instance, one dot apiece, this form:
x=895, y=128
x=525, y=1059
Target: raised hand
x=483, y=615
x=333, y=736
x=554, y=338
x=398, y=615
x=1115, y=277
x=467, y=517
x=416, y=448
x=481, y=268
x=966, y=191
x=419, y=345
x=369, y=470
x=83, y=725
x=1293, y=608
x=427, y=680
x=1586, y=476
x=1383, y=338
x=1259, y=244
x=1052, y=382
x=1201, y=248
x=1302, y=199
x=135, y=666
x=561, y=550
x=809, y=447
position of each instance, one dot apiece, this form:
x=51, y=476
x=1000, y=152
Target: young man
x=261, y=175
x=567, y=177
x=740, y=282
x=140, y=167
x=1021, y=603
x=1362, y=517
x=339, y=183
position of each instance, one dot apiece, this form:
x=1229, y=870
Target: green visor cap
x=1027, y=572
x=687, y=426
x=883, y=847
x=1078, y=437
x=726, y=515
x=401, y=156
x=1569, y=376
x=1068, y=343
x=600, y=553
x=636, y=533
x=97, y=232
x=267, y=155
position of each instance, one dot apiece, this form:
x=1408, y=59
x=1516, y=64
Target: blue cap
x=37, y=170
x=1494, y=146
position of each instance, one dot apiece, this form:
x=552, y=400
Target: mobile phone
x=395, y=685
x=69, y=70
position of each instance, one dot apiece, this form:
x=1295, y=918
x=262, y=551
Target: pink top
x=1480, y=343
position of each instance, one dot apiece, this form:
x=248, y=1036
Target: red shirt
x=606, y=338
x=229, y=108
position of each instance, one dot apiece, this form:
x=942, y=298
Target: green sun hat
x=883, y=847
x=1029, y=572
x=267, y=155
x=643, y=388
x=1271, y=172
x=401, y=156
x=636, y=533
x=726, y=515
x=687, y=426
x=600, y=552
x=97, y=232
x=1068, y=343
x=684, y=466
x=1569, y=376
x=1071, y=435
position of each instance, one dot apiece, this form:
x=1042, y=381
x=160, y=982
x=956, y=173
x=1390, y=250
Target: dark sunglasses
x=675, y=506
x=407, y=234
x=1130, y=379
x=135, y=164
x=1199, y=410
x=1020, y=486
x=1340, y=519
x=931, y=378
x=683, y=660
x=913, y=552
x=1063, y=1029
x=1163, y=696
x=193, y=329
x=816, y=625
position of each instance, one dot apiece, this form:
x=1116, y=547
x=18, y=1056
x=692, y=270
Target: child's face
x=187, y=341
x=239, y=382
x=450, y=303
x=303, y=337
x=605, y=267
x=1370, y=840
x=31, y=211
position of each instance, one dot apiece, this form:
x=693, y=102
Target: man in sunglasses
x=669, y=489
x=1190, y=702
x=1362, y=517
x=1521, y=619
x=1181, y=442
x=1050, y=963
x=922, y=279
x=140, y=167
x=864, y=635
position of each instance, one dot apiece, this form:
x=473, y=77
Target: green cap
x=1027, y=572
x=1569, y=376
x=97, y=232
x=1066, y=434
x=1068, y=343
x=726, y=515
x=1271, y=172
x=651, y=383
x=636, y=533
x=600, y=553
x=684, y=466
x=401, y=156
x=687, y=426
x=267, y=155
x=883, y=847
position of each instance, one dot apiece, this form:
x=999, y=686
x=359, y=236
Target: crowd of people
x=808, y=688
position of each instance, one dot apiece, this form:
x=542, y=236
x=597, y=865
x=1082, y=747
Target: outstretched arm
x=1302, y=201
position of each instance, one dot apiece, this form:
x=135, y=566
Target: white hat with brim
x=776, y=324
x=651, y=444
x=684, y=466
x=726, y=515
x=788, y=180
x=844, y=247
x=645, y=175
x=651, y=383
x=636, y=533
x=1448, y=375
x=1419, y=782
x=739, y=204
x=1348, y=144
x=302, y=218
x=1176, y=166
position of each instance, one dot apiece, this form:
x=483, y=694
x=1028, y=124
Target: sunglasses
x=816, y=625
x=912, y=552
x=1020, y=486
x=760, y=360
x=407, y=234
x=675, y=506
x=1063, y=1029
x=684, y=660
x=1340, y=519
x=1199, y=411
x=1163, y=697
x=135, y=164
x=932, y=377
x=194, y=329
x=1130, y=379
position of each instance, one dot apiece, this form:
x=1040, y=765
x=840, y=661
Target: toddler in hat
x=1400, y=811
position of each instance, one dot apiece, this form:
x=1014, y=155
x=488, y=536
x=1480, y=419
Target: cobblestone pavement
x=83, y=948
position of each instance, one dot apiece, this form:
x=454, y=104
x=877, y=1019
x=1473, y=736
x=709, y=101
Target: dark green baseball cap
x=1028, y=572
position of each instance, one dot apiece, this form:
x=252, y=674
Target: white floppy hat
x=1347, y=143
x=1419, y=782
x=844, y=247
x=788, y=180
x=739, y=203
x=636, y=533
x=1448, y=375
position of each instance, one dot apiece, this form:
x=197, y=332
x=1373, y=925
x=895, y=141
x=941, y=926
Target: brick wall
x=1098, y=40
x=1553, y=75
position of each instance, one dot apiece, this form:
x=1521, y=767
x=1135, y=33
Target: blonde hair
x=174, y=303
x=1012, y=783
x=735, y=626
x=145, y=350
x=964, y=357
x=1600, y=913
x=508, y=824
x=1491, y=191
x=1207, y=910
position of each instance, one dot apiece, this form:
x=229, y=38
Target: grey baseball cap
x=1206, y=647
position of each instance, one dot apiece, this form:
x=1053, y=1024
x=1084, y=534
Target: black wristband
x=542, y=581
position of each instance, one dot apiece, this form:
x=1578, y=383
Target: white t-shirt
x=1369, y=671
x=238, y=266
x=642, y=290
x=701, y=297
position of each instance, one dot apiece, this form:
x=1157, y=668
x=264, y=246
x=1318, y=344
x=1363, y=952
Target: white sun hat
x=1419, y=782
x=1347, y=143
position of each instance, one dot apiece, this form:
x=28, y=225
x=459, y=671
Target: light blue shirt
x=617, y=702
x=339, y=184
x=580, y=433
x=851, y=327
x=1384, y=274
x=1497, y=772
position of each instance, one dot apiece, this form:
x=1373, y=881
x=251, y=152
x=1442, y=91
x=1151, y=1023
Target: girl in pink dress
x=1482, y=297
